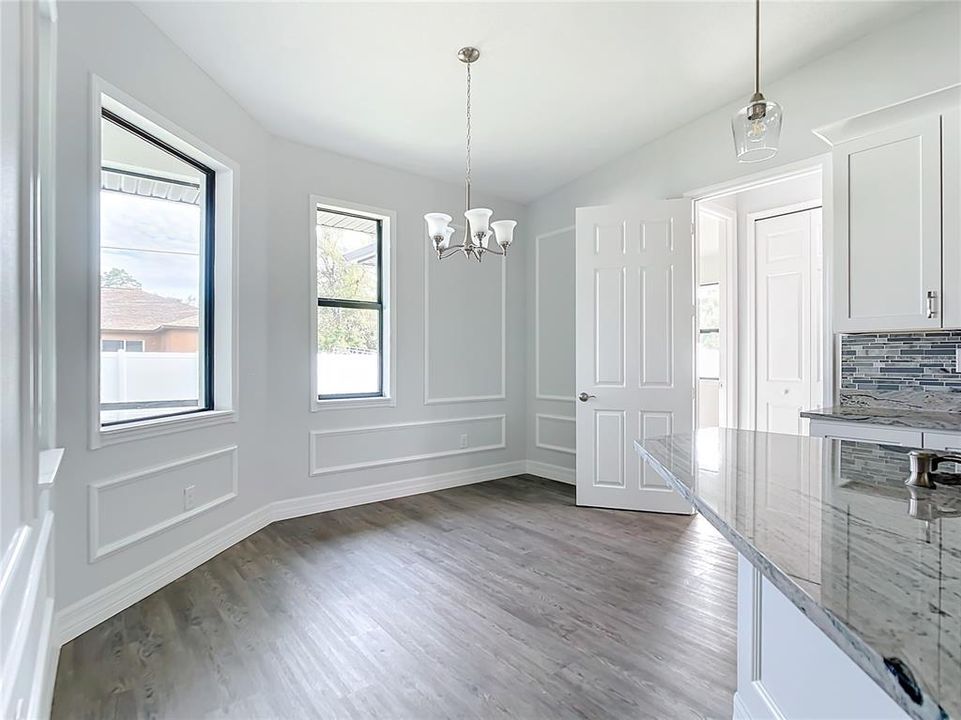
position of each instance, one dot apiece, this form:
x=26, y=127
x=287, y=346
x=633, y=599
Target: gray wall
x=917, y=55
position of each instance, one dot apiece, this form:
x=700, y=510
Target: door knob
x=584, y=397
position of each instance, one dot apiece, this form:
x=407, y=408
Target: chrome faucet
x=924, y=463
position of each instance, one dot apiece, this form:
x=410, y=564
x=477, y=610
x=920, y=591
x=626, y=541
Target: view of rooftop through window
x=349, y=313
x=152, y=218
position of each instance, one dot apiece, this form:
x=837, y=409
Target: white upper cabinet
x=951, y=216
x=888, y=228
x=897, y=250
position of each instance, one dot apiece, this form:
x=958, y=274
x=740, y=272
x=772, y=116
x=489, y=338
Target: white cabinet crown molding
x=858, y=126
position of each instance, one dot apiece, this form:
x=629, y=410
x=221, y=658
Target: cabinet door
x=888, y=228
x=951, y=215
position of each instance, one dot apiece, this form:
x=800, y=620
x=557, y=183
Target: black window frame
x=377, y=305
x=207, y=273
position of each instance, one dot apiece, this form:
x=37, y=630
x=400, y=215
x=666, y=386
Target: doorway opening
x=761, y=354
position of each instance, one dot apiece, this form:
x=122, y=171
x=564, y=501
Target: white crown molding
x=316, y=469
x=502, y=395
x=538, y=395
x=98, y=551
x=866, y=123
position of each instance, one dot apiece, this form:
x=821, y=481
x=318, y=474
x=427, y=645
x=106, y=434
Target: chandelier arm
x=449, y=251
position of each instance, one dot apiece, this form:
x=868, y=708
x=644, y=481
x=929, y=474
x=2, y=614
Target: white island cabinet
x=897, y=247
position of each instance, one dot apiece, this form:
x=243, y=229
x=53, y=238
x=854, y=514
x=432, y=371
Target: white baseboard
x=92, y=610
x=740, y=711
x=551, y=472
x=84, y=614
x=323, y=502
x=45, y=672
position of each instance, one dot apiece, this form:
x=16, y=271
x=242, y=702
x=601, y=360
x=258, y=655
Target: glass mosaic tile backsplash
x=902, y=370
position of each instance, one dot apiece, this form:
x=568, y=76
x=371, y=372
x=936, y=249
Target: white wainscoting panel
x=369, y=446
x=133, y=507
x=465, y=354
x=555, y=432
x=554, y=315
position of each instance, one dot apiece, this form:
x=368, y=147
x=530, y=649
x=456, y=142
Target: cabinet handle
x=932, y=296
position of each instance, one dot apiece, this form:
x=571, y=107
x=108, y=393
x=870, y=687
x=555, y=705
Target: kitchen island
x=849, y=582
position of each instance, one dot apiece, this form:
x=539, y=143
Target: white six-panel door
x=787, y=288
x=634, y=328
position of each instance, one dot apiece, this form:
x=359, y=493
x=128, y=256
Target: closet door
x=888, y=228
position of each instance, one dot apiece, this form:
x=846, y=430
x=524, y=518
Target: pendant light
x=757, y=126
x=479, y=228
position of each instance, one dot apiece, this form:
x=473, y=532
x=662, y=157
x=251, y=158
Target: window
x=156, y=277
x=350, y=305
x=709, y=333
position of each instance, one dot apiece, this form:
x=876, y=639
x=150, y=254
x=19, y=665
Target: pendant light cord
x=757, y=47
x=468, y=137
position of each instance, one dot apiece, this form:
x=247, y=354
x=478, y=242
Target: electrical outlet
x=463, y=440
x=189, y=497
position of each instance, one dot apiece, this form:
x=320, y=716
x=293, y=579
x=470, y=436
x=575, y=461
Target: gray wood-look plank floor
x=496, y=600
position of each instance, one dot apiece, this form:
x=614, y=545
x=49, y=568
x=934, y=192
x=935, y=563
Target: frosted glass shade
x=445, y=243
x=504, y=231
x=479, y=219
x=436, y=224
x=757, y=130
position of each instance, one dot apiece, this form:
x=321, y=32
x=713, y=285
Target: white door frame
x=750, y=362
x=727, y=411
x=822, y=164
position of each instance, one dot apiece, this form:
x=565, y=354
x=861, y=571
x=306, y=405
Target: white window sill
x=49, y=465
x=318, y=405
x=159, y=426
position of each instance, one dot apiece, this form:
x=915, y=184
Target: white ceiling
x=560, y=87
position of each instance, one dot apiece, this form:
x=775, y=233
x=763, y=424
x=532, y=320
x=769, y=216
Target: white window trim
x=226, y=222
x=388, y=219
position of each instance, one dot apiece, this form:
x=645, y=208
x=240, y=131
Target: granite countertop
x=891, y=417
x=831, y=524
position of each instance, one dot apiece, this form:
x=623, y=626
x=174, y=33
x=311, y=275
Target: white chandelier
x=479, y=229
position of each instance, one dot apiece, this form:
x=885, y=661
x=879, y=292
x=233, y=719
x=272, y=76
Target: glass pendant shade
x=479, y=219
x=504, y=232
x=757, y=130
x=436, y=224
